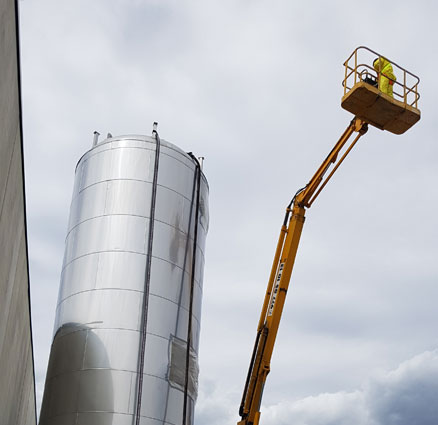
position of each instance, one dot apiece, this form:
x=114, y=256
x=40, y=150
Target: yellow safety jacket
x=386, y=74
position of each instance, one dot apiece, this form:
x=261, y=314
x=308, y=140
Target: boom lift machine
x=370, y=105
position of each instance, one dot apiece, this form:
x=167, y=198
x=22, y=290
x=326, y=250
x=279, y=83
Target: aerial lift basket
x=363, y=98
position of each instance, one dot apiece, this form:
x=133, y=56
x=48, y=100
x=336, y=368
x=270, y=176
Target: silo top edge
x=141, y=138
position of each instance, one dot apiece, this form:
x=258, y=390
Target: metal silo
x=127, y=323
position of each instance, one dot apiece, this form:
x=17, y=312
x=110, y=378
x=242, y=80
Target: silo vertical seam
x=143, y=329
x=192, y=284
x=182, y=278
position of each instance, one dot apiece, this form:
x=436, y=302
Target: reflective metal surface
x=93, y=369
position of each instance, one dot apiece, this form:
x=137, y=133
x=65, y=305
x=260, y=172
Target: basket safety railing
x=405, y=88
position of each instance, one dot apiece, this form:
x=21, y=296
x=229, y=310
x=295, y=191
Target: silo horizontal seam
x=110, y=329
x=121, y=250
x=86, y=412
x=136, y=138
x=126, y=179
x=87, y=158
x=85, y=369
x=96, y=151
x=121, y=289
x=124, y=215
x=112, y=412
x=89, y=154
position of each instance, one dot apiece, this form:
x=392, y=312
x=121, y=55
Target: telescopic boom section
x=281, y=272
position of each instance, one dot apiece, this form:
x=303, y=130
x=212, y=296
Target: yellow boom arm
x=281, y=272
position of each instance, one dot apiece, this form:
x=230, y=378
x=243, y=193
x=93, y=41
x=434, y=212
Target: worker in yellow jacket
x=386, y=75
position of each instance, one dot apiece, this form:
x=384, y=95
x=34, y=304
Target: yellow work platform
x=371, y=105
x=363, y=98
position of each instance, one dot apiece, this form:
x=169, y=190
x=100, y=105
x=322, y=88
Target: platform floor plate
x=379, y=109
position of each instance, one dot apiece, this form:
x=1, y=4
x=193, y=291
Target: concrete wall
x=17, y=388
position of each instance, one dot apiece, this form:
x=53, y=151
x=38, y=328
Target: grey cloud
x=404, y=396
x=407, y=395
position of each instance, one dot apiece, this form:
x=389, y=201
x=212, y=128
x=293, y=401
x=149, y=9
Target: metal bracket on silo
x=95, y=138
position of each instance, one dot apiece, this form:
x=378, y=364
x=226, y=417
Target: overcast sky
x=255, y=87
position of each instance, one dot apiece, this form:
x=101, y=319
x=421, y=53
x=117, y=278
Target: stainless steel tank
x=126, y=334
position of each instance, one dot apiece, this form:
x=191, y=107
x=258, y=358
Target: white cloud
x=404, y=396
x=325, y=409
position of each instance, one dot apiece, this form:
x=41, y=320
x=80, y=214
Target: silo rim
x=142, y=138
